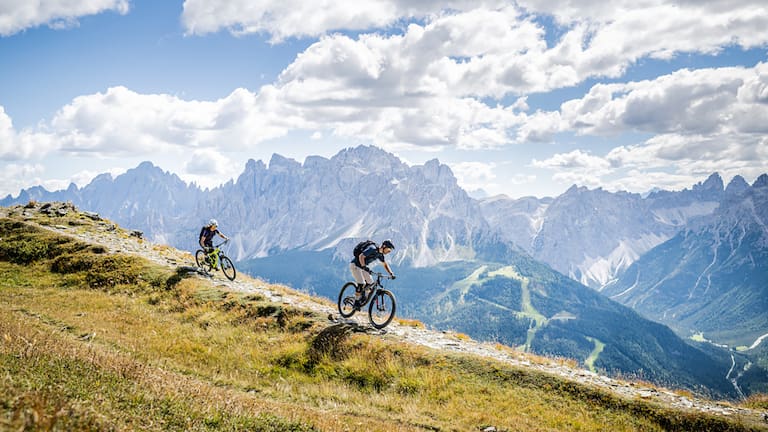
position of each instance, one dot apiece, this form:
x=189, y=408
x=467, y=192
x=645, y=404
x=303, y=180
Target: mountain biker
x=359, y=265
x=206, y=236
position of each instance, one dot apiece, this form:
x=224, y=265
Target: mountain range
x=594, y=235
x=712, y=276
x=483, y=267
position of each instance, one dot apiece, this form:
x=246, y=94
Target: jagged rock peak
x=315, y=162
x=736, y=186
x=761, y=181
x=253, y=166
x=713, y=183
x=146, y=165
x=575, y=190
x=147, y=169
x=101, y=178
x=252, y=170
x=282, y=163
x=368, y=159
x=438, y=173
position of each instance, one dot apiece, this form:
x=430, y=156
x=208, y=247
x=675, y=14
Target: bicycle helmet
x=213, y=222
x=387, y=244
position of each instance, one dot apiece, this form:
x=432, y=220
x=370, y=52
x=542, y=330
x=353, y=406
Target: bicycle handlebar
x=379, y=274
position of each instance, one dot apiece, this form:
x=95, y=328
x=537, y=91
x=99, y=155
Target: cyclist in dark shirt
x=359, y=264
x=207, y=233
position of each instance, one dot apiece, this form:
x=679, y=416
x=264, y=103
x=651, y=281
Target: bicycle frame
x=216, y=252
x=374, y=289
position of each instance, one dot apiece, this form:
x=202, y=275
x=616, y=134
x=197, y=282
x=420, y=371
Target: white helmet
x=212, y=222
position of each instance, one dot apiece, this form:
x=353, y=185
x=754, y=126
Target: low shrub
x=23, y=251
x=69, y=263
x=331, y=342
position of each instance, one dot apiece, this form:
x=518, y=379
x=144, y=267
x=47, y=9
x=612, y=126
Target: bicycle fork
x=377, y=301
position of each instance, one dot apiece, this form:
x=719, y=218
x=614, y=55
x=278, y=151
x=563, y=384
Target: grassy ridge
x=94, y=341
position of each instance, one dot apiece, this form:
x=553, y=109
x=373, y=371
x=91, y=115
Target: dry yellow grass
x=162, y=352
x=410, y=322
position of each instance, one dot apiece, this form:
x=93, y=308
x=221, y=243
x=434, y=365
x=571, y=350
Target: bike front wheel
x=382, y=309
x=228, y=267
x=201, y=259
x=347, y=299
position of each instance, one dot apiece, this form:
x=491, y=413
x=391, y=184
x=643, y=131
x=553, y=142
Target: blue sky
x=521, y=98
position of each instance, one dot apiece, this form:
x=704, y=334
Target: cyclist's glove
x=367, y=269
x=393, y=277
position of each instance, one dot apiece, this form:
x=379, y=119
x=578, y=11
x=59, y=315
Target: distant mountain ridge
x=593, y=236
x=712, y=277
x=360, y=192
x=589, y=235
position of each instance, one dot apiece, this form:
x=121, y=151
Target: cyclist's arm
x=361, y=260
x=222, y=235
x=389, y=270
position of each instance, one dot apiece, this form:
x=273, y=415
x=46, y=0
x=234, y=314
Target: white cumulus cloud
x=702, y=101
x=474, y=176
x=485, y=49
x=121, y=121
x=18, y=15
x=297, y=18
x=25, y=144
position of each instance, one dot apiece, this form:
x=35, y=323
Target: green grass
x=590, y=362
x=123, y=344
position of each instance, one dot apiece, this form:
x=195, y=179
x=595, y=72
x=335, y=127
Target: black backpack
x=363, y=245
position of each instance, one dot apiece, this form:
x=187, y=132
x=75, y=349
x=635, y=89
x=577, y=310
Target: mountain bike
x=216, y=259
x=381, y=302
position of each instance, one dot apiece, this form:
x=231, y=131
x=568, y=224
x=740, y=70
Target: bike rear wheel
x=346, y=301
x=382, y=309
x=227, y=267
x=202, y=261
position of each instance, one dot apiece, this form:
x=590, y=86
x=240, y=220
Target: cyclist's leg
x=211, y=255
x=365, y=276
x=362, y=277
x=368, y=282
x=357, y=274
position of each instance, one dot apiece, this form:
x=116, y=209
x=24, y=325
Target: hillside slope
x=101, y=330
x=519, y=302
